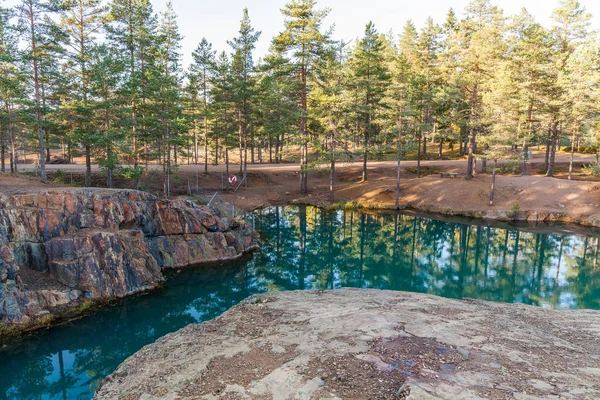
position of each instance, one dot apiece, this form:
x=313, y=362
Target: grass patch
x=343, y=205
x=85, y=307
x=8, y=330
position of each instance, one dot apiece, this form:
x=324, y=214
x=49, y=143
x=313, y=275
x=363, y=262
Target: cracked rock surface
x=369, y=344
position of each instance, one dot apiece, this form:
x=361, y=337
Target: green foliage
x=134, y=173
x=425, y=170
x=592, y=169
x=59, y=176
x=85, y=307
x=107, y=83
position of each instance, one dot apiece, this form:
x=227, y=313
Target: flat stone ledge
x=369, y=344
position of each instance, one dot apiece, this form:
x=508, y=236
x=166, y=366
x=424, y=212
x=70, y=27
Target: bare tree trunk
x=399, y=156
x=555, y=138
x=525, y=158
x=366, y=151
x=332, y=179
x=2, y=155
x=419, y=156
x=547, y=158
x=227, y=168
x=245, y=160
x=195, y=141
x=88, y=166
x=493, y=188
x=572, y=155
x=472, y=132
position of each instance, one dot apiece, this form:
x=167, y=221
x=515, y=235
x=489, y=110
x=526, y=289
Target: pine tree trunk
x=555, y=138
x=88, y=166
x=2, y=155
x=277, y=150
x=227, y=169
x=547, y=158
x=572, y=154
x=525, y=159
x=441, y=147
x=332, y=178
x=472, y=132
x=399, y=157
x=13, y=149
x=303, y=127
x=245, y=160
x=195, y=141
x=493, y=188
x=270, y=149
x=109, y=170
x=366, y=151
x=419, y=156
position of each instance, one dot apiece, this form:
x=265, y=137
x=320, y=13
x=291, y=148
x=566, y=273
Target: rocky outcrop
x=369, y=344
x=60, y=247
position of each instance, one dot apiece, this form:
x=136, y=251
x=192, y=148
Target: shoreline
x=82, y=308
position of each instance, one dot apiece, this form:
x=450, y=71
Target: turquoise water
x=309, y=248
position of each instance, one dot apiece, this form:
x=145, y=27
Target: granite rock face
x=369, y=344
x=64, y=246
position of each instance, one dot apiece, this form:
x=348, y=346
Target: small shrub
x=592, y=169
x=349, y=205
x=516, y=207
x=131, y=173
x=59, y=176
x=425, y=170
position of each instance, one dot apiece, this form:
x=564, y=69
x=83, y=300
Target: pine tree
x=12, y=88
x=39, y=34
x=243, y=68
x=480, y=46
x=201, y=73
x=571, y=23
x=169, y=95
x=302, y=45
x=82, y=21
x=326, y=102
x=106, y=67
x=132, y=31
x=368, y=80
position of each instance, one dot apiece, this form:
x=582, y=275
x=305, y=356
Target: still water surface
x=309, y=248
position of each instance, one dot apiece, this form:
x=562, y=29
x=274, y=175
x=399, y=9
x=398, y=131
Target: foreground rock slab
x=369, y=344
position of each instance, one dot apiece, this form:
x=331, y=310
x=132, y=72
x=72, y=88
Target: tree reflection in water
x=310, y=248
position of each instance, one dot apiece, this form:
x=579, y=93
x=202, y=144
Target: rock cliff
x=57, y=248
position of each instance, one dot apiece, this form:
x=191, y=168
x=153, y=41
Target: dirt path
x=537, y=158
x=278, y=185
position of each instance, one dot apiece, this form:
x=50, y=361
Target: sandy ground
x=271, y=184
x=370, y=345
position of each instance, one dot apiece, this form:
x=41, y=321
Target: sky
x=218, y=21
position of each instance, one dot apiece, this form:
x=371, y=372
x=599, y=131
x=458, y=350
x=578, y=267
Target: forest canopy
x=104, y=80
